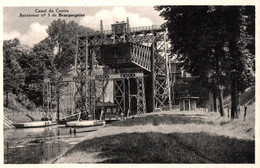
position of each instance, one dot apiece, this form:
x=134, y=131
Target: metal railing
x=132, y=30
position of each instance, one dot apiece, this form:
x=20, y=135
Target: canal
x=40, y=145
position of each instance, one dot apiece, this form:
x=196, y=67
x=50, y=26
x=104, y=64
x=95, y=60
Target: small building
x=110, y=111
x=188, y=103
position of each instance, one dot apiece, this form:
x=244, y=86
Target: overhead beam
x=97, y=77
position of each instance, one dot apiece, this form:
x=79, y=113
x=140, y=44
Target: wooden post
x=245, y=108
x=167, y=67
x=189, y=105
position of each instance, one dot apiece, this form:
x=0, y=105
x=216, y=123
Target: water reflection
x=39, y=145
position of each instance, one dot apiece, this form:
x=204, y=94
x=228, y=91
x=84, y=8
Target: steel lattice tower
x=149, y=52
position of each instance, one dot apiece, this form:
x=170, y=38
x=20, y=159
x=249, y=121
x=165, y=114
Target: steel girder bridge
x=138, y=63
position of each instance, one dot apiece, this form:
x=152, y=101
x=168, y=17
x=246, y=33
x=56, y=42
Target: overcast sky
x=31, y=30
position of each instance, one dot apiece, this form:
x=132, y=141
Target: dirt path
x=213, y=129
x=232, y=130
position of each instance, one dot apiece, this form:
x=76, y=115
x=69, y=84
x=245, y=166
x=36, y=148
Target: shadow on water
x=86, y=131
x=38, y=145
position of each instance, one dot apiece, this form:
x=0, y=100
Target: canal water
x=40, y=145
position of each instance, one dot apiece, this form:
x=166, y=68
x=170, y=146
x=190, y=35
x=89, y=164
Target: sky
x=31, y=30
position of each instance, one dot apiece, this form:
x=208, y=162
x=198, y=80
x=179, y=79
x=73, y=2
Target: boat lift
x=138, y=63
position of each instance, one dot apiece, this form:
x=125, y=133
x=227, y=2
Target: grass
x=162, y=119
x=167, y=148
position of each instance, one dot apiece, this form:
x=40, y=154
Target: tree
x=63, y=35
x=195, y=38
x=40, y=65
x=202, y=38
x=240, y=51
x=24, y=68
x=13, y=73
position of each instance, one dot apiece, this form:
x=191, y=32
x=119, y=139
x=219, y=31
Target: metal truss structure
x=151, y=38
x=150, y=54
x=141, y=101
x=47, y=101
x=119, y=94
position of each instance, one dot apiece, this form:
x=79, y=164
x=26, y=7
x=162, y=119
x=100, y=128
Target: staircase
x=8, y=122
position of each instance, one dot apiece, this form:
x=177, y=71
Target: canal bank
x=59, y=144
x=167, y=137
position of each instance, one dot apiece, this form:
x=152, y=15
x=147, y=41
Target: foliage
x=200, y=38
x=63, y=35
x=214, y=43
x=25, y=68
x=13, y=73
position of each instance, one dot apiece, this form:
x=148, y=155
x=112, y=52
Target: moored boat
x=84, y=123
x=33, y=124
